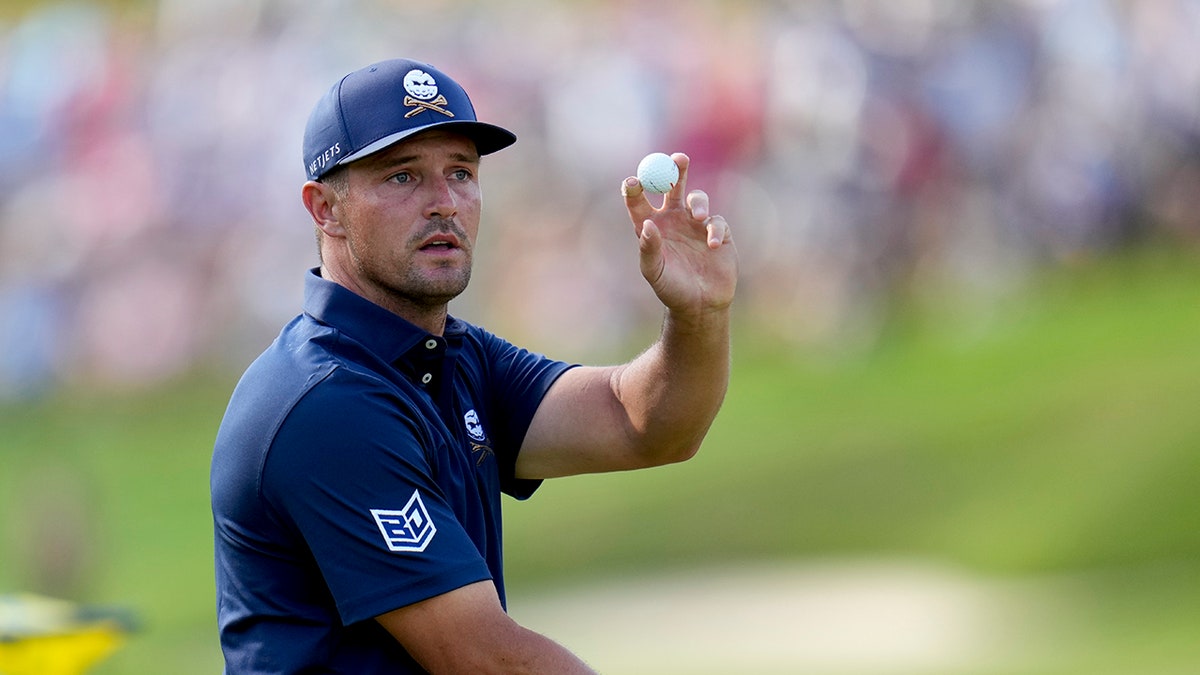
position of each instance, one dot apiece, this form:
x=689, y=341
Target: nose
x=441, y=200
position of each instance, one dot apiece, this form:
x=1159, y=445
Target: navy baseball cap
x=378, y=105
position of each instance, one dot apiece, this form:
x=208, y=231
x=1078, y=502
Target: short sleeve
x=349, y=471
x=519, y=381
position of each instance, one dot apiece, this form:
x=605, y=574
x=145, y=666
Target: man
x=357, y=474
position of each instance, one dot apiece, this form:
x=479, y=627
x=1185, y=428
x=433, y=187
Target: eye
x=462, y=175
x=402, y=177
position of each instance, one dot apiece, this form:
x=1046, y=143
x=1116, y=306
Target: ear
x=321, y=202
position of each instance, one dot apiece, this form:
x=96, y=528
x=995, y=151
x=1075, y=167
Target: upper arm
x=581, y=426
x=437, y=630
x=653, y=410
x=467, y=630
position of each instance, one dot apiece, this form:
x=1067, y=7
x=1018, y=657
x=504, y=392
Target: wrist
x=702, y=321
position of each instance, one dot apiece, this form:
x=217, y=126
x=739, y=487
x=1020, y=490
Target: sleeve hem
x=404, y=594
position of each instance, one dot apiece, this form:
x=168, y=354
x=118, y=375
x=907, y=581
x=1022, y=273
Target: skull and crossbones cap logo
x=383, y=103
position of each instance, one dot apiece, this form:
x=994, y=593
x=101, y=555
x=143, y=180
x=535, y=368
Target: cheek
x=470, y=206
x=362, y=237
x=469, y=195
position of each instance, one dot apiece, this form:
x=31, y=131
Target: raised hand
x=687, y=253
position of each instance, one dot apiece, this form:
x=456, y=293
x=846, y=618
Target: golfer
x=357, y=474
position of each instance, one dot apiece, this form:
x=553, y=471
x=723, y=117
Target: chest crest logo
x=479, y=446
x=474, y=428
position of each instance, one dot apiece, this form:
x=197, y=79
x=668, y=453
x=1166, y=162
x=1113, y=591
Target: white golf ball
x=657, y=173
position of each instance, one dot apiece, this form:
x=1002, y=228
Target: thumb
x=650, y=245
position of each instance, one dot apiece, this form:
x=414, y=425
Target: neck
x=430, y=317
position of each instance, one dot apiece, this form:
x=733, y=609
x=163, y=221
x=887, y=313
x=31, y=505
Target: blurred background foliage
x=966, y=329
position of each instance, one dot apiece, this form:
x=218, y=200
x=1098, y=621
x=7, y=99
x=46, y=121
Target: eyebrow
x=385, y=162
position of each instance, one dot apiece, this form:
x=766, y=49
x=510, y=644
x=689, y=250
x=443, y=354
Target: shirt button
x=426, y=378
x=431, y=344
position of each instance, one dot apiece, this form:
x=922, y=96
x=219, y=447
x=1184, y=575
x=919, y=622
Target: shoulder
x=473, y=341
x=309, y=389
x=500, y=357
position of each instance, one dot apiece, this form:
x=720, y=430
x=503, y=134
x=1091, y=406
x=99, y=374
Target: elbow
x=665, y=440
x=673, y=448
x=685, y=452
x=670, y=453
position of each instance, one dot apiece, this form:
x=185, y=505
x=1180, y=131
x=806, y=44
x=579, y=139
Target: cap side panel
x=341, y=114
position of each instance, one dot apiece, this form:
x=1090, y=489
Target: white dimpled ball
x=657, y=173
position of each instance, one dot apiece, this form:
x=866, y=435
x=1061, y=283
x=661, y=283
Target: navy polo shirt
x=358, y=469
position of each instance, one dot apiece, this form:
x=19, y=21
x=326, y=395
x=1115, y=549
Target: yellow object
x=68, y=654
x=43, y=636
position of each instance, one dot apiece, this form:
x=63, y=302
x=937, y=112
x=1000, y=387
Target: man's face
x=411, y=216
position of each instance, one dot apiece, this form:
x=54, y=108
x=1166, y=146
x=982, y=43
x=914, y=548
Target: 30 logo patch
x=409, y=529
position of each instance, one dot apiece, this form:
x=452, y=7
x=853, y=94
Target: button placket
x=431, y=348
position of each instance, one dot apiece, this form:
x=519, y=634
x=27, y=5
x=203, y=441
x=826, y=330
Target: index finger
x=639, y=207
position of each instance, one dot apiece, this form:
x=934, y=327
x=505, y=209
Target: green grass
x=129, y=472
x=1056, y=434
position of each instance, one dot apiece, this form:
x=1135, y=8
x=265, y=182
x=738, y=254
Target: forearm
x=467, y=631
x=536, y=653
x=521, y=651
x=671, y=392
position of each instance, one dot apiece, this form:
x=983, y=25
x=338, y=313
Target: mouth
x=441, y=243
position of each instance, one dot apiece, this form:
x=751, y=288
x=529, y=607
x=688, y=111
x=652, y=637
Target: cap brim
x=488, y=138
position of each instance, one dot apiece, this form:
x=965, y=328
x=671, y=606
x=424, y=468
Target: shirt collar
x=382, y=332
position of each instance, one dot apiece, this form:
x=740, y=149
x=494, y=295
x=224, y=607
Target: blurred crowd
x=863, y=152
